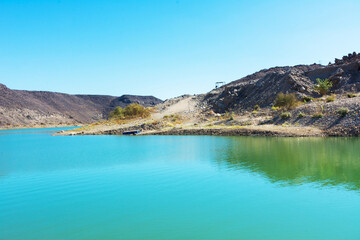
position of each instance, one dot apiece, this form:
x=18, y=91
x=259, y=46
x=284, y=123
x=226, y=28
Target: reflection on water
x=289, y=161
x=330, y=161
x=178, y=187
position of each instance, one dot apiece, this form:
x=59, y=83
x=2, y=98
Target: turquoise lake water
x=177, y=187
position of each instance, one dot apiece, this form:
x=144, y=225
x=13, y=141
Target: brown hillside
x=19, y=107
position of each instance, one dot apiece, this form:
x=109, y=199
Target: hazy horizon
x=165, y=48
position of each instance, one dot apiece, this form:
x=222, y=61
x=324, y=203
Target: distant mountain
x=26, y=108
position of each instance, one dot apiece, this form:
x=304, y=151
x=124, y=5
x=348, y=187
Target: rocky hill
x=125, y=100
x=231, y=109
x=262, y=87
x=30, y=108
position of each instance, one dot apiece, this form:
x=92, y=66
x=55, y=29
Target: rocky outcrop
x=28, y=108
x=124, y=100
x=351, y=57
x=262, y=87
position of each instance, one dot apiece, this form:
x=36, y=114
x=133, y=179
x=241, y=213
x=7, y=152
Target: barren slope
x=27, y=108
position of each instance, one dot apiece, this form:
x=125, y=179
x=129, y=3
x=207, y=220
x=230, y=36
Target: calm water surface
x=177, y=187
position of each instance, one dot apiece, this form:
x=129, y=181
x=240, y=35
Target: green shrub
x=287, y=101
x=285, y=115
x=301, y=115
x=256, y=107
x=246, y=123
x=307, y=99
x=343, y=111
x=232, y=116
x=229, y=115
x=317, y=115
x=323, y=86
x=351, y=95
x=286, y=124
x=330, y=98
x=117, y=113
x=133, y=110
x=175, y=117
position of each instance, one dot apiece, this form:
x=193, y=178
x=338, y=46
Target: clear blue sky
x=165, y=48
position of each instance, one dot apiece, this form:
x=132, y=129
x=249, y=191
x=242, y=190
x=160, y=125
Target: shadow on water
x=295, y=161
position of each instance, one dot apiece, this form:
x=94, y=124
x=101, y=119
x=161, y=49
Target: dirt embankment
x=268, y=130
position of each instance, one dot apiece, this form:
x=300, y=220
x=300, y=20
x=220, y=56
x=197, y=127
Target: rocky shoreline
x=296, y=132
x=266, y=130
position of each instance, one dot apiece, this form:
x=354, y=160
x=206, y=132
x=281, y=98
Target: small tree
x=323, y=86
x=117, y=113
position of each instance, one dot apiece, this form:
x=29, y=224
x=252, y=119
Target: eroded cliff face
x=262, y=87
x=28, y=108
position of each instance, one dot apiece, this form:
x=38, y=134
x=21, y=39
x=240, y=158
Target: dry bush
x=287, y=101
x=133, y=110
x=330, y=98
x=285, y=115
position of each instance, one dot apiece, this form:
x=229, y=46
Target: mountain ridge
x=26, y=108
